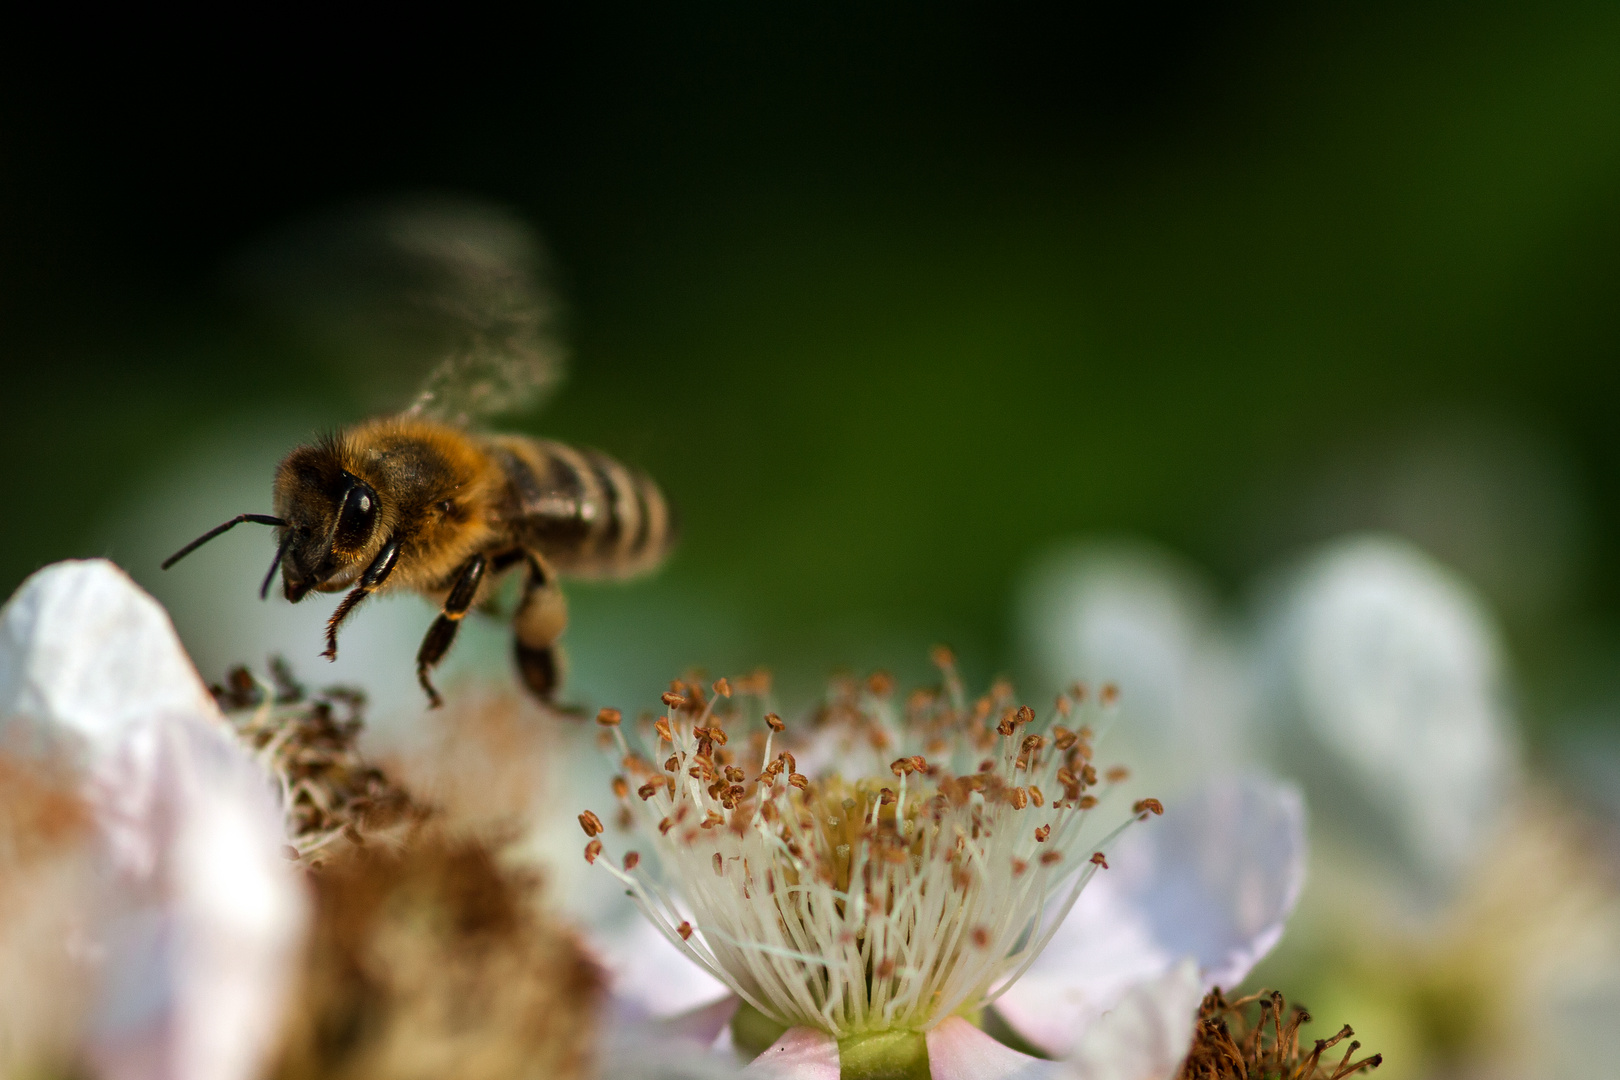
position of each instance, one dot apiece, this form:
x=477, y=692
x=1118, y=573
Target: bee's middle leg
x=538, y=624
x=443, y=631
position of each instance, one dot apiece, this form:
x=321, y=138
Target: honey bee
x=426, y=500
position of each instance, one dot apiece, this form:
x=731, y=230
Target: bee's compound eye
x=356, y=518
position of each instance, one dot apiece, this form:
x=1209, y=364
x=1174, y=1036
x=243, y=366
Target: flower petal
x=800, y=1054
x=198, y=916
x=959, y=1051
x=1394, y=666
x=1215, y=879
x=203, y=920
x=649, y=975
x=84, y=653
x=1147, y=1035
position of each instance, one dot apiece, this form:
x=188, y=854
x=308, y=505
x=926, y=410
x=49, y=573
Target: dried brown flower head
x=309, y=743
x=1228, y=1045
x=432, y=960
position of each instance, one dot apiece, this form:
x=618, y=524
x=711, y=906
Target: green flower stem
x=884, y=1055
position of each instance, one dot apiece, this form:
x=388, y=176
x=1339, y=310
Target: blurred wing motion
x=443, y=295
x=506, y=359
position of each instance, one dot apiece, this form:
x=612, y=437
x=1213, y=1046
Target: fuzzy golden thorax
x=345, y=496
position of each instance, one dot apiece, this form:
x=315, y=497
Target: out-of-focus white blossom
x=1393, y=668
x=1130, y=614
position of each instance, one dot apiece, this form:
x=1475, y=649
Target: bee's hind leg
x=443, y=631
x=541, y=616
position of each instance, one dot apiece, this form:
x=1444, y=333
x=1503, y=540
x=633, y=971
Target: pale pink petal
x=1147, y=1035
x=703, y=1024
x=959, y=1051
x=198, y=915
x=800, y=1054
x=648, y=976
x=84, y=653
x=1214, y=879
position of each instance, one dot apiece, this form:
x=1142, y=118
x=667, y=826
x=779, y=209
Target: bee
x=426, y=500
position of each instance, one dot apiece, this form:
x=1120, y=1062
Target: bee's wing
x=447, y=296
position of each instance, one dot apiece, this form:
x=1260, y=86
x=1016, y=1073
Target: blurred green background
x=893, y=297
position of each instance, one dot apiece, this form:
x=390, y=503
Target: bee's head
x=332, y=519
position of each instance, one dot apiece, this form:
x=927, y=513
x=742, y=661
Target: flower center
x=888, y=901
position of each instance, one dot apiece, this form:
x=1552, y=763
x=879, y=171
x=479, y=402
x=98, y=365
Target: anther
x=1098, y=858
x=774, y=722
x=1019, y=866
x=942, y=657
x=1144, y=807
x=649, y=789
x=1051, y=858
x=1025, y=715
x=719, y=865
x=609, y=717
x=592, y=850
x=1042, y=833
x=1035, y=796
x=722, y=687
x=1117, y=774
x=590, y=823
x=661, y=726
x=673, y=700
x=685, y=930
x=1109, y=695
x=981, y=937
x=631, y=860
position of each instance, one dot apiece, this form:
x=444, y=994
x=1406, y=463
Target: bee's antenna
x=281, y=553
x=257, y=519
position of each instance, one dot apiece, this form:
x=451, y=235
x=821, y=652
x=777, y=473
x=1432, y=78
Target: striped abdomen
x=586, y=513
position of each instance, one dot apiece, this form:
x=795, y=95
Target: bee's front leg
x=370, y=581
x=443, y=631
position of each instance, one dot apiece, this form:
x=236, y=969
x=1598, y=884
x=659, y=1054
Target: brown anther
x=1109, y=695
x=1147, y=806
x=880, y=684
x=900, y=766
x=790, y=761
x=621, y=787
x=685, y=930
x=623, y=819
x=885, y=797
x=1098, y=858
x=1062, y=737
x=942, y=657
x=1035, y=796
x=1051, y=858
x=734, y=775
x=1042, y=833
x=884, y=969
x=918, y=764
x=1025, y=715
x=1018, y=797
x=592, y=850
x=661, y=726
x=648, y=790
x=609, y=717
x=1063, y=705
x=673, y=700
x=665, y=825
x=774, y=722
x=799, y=780
x=1078, y=691
x=722, y=687
x=1117, y=774
x=631, y=861
x=1006, y=726
x=1019, y=866
x=717, y=735
x=719, y=865
x=981, y=937
x=986, y=765
x=590, y=823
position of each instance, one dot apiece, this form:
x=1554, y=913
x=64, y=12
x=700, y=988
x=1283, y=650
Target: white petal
x=651, y=976
x=1214, y=879
x=199, y=916
x=84, y=653
x=959, y=1051
x=800, y=1054
x=204, y=915
x=1394, y=666
x=1147, y=1035
x=1130, y=613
